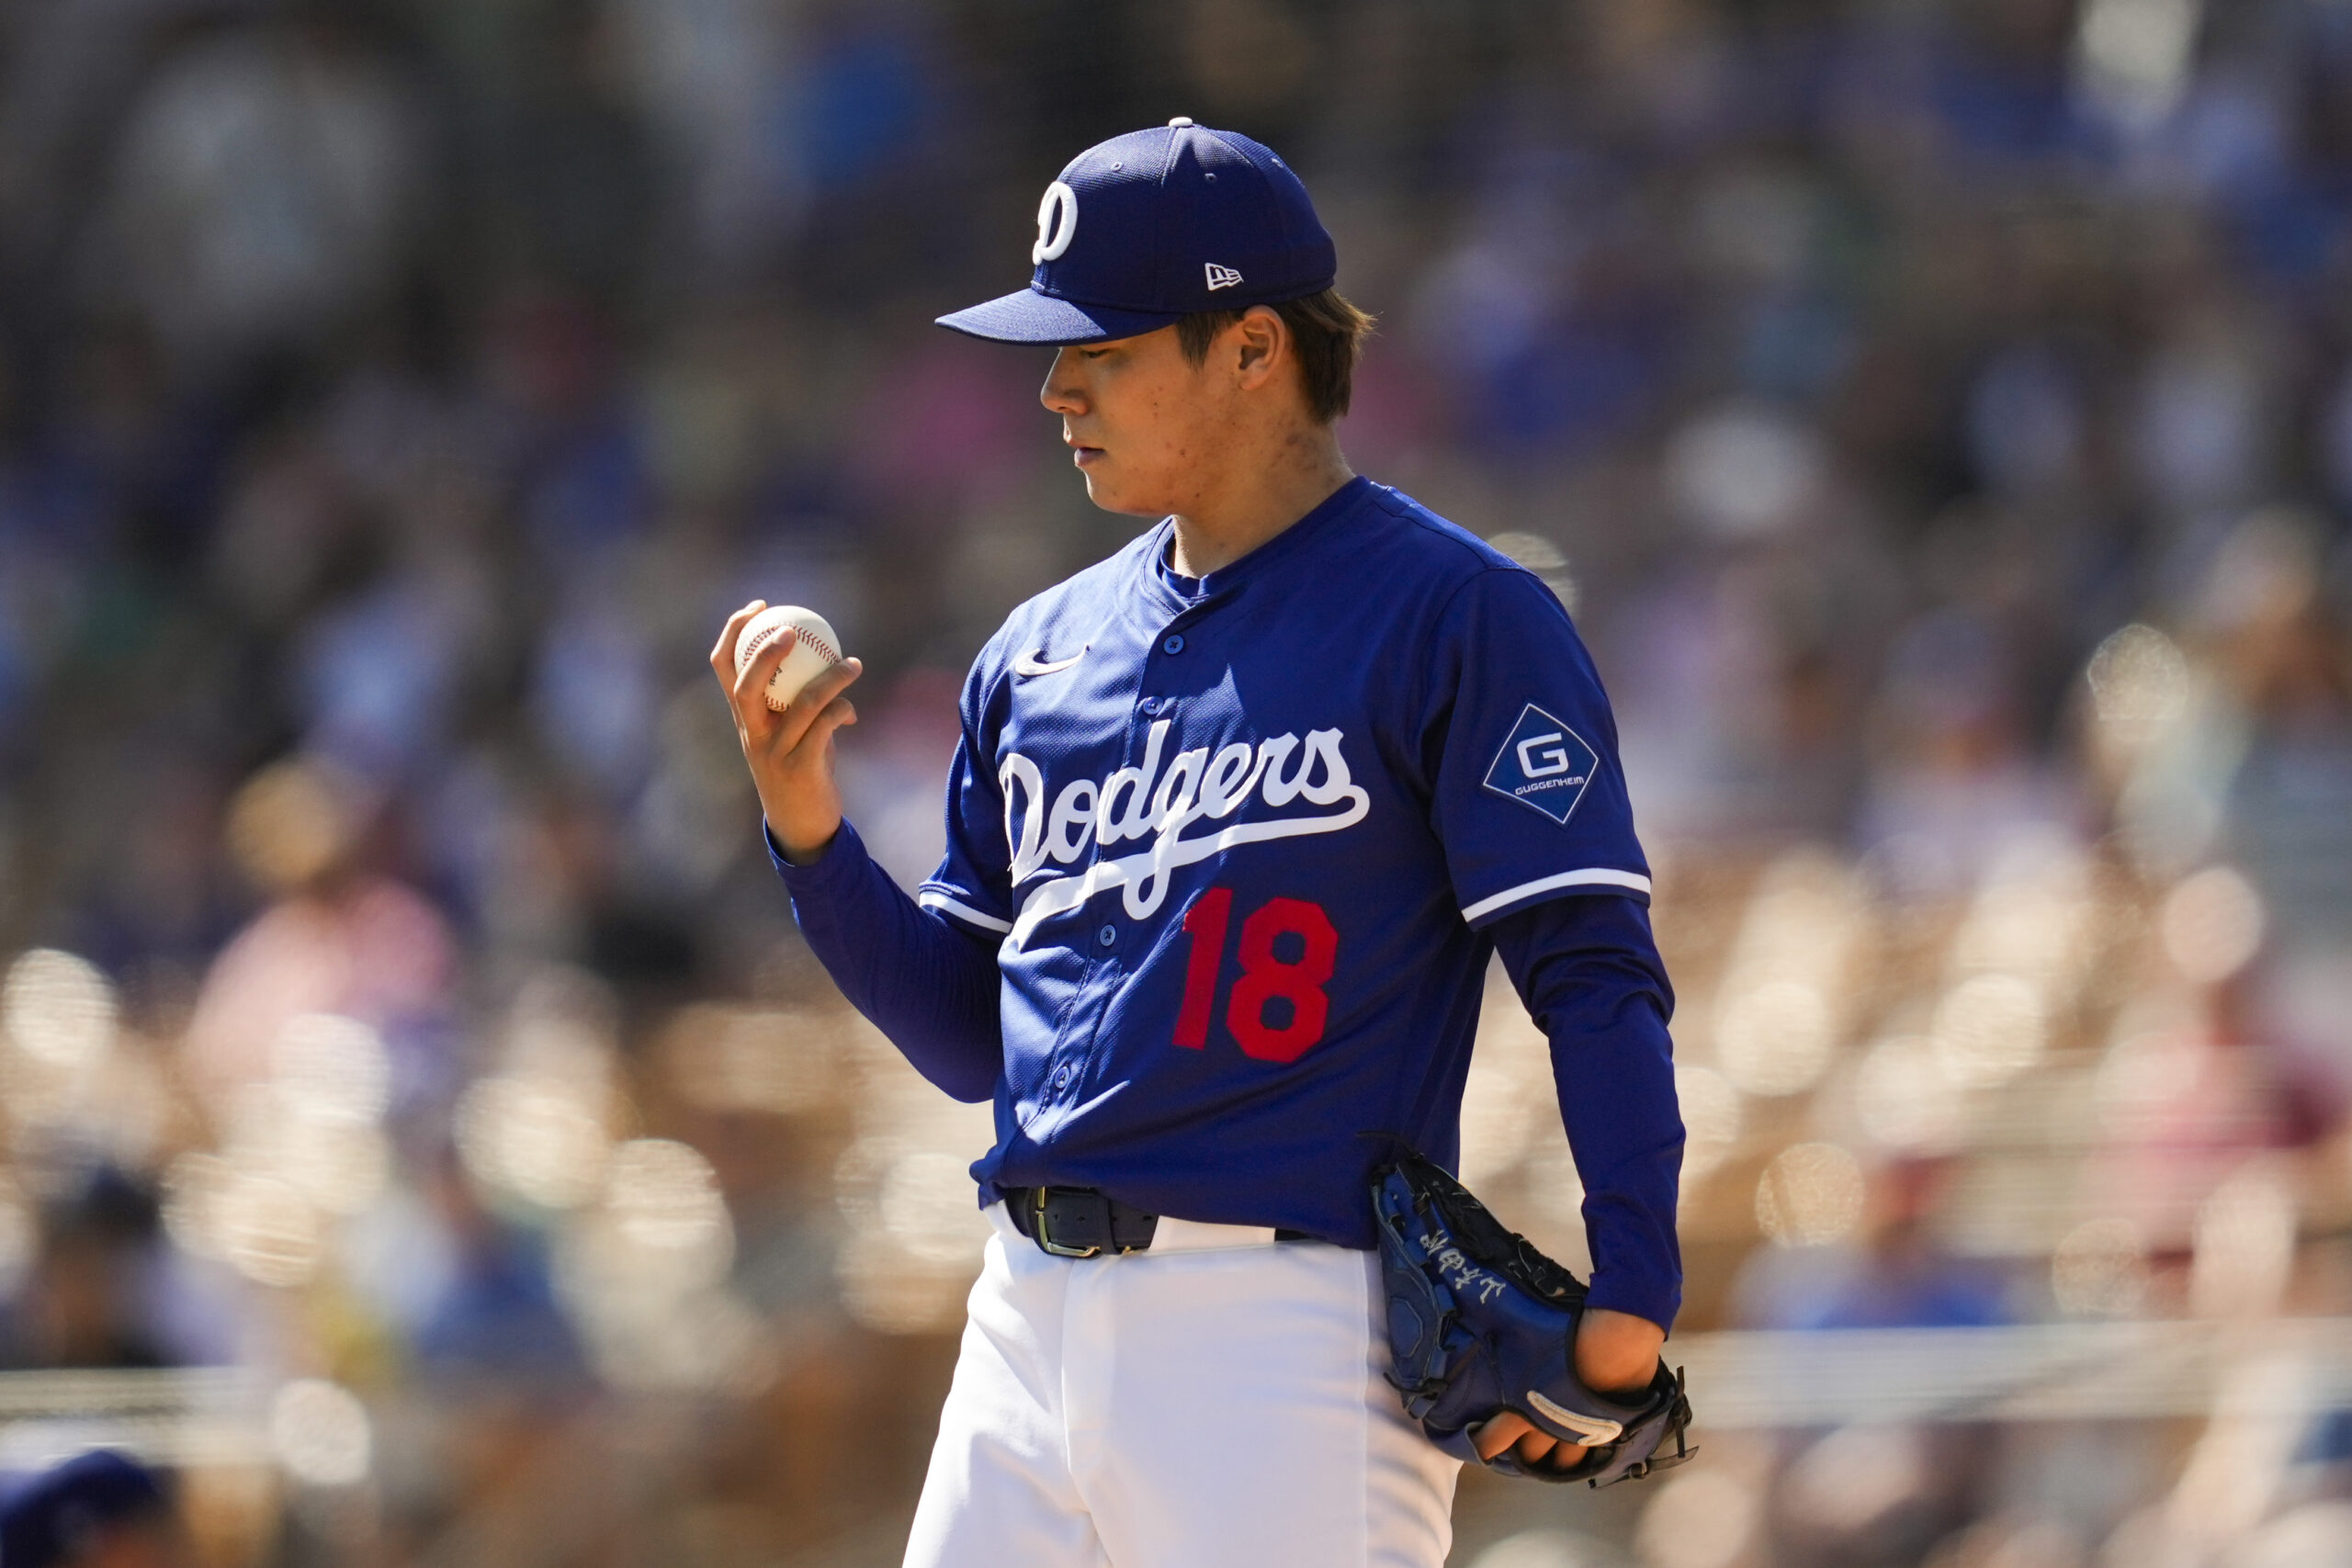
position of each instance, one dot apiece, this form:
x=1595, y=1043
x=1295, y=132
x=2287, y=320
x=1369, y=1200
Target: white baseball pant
x=1215, y=1401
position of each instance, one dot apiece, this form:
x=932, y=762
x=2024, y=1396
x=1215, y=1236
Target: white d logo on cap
x=1056, y=222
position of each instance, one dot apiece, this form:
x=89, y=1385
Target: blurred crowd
x=1937, y=414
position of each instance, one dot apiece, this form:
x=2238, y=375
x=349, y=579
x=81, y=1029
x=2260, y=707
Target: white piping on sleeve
x=931, y=899
x=1590, y=878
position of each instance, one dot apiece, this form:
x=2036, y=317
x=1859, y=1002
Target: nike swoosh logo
x=1592, y=1428
x=1027, y=664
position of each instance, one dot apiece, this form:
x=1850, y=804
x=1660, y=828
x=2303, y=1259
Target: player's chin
x=1107, y=491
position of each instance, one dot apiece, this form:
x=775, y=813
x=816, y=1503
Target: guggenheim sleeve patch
x=1543, y=765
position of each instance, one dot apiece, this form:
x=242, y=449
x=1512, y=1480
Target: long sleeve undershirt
x=1587, y=967
x=925, y=980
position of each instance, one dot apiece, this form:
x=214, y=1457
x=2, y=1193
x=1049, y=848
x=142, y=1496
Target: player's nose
x=1059, y=394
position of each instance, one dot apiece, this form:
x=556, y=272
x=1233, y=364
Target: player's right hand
x=790, y=753
x=1613, y=1351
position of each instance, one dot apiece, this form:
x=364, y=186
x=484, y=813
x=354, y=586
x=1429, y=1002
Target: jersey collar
x=1176, y=595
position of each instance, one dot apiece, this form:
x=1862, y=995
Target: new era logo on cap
x=1124, y=235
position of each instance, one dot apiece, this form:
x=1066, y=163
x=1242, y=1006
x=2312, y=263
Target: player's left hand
x=1615, y=1352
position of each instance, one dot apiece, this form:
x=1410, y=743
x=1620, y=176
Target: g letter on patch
x=1543, y=765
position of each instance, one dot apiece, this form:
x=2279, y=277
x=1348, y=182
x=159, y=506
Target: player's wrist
x=803, y=816
x=1633, y=1293
x=1617, y=1352
x=799, y=845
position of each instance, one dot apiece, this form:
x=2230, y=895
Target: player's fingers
x=1536, y=1447
x=722, y=653
x=800, y=717
x=832, y=717
x=751, y=689
x=1501, y=1431
x=1567, y=1456
x=802, y=735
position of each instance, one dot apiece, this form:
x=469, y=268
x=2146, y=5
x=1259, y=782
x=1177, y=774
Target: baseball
x=817, y=648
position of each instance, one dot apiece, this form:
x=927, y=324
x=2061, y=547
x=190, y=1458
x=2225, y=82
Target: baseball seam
x=808, y=637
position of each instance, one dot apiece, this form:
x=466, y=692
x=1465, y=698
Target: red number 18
x=1264, y=977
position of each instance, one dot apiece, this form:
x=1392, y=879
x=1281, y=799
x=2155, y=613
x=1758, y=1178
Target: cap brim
x=1031, y=317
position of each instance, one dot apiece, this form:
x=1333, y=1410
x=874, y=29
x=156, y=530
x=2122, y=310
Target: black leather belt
x=1086, y=1222
x=1079, y=1222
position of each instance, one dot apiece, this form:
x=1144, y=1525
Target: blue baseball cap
x=56, y=1517
x=1155, y=225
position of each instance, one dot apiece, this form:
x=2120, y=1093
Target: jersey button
x=1061, y=1077
x=1107, y=935
x=1172, y=643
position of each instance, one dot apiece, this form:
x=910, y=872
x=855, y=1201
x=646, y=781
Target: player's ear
x=1263, y=339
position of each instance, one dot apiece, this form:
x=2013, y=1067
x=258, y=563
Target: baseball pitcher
x=1237, y=819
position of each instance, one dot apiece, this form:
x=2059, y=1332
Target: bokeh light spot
x=1905, y=1100
x=2139, y=681
x=2212, y=925
x=1810, y=1196
x=321, y=1433
x=1988, y=1029
x=2100, y=1270
x=266, y=1229
x=332, y=1068
x=1702, y=1518
x=1774, y=1038
x=2245, y=1245
x=665, y=1198
x=533, y=1138
x=57, y=1009
x=927, y=1203
x=1711, y=1120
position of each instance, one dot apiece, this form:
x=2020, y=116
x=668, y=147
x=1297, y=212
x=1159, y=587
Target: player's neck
x=1255, y=500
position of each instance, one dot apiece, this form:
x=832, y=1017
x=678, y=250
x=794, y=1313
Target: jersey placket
x=1100, y=933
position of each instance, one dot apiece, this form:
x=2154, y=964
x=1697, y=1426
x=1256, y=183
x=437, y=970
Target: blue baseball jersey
x=1237, y=837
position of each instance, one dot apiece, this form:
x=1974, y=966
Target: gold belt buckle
x=1044, y=1236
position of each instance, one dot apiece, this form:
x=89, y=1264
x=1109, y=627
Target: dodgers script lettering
x=1044, y=831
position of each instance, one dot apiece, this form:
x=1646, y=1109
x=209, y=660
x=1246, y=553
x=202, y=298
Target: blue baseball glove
x=1479, y=1322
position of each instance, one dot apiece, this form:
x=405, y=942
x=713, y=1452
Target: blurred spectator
x=265, y=187
x=1898, y=1273
x=94, y=1295
x=2283, y=653
x=493, y=1324
x=1956, y=780
x=1870, y=1493
x=337, y=940
x=99, y=1510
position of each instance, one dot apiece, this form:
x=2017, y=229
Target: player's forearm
x=925, y=983
x=1588, y=971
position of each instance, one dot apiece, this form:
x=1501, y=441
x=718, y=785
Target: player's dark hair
x=1325, y=331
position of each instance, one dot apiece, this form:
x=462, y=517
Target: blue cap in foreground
x=56, y=1517
x=1158, y=224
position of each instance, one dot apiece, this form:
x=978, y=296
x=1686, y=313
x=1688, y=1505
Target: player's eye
x=1092, y=352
